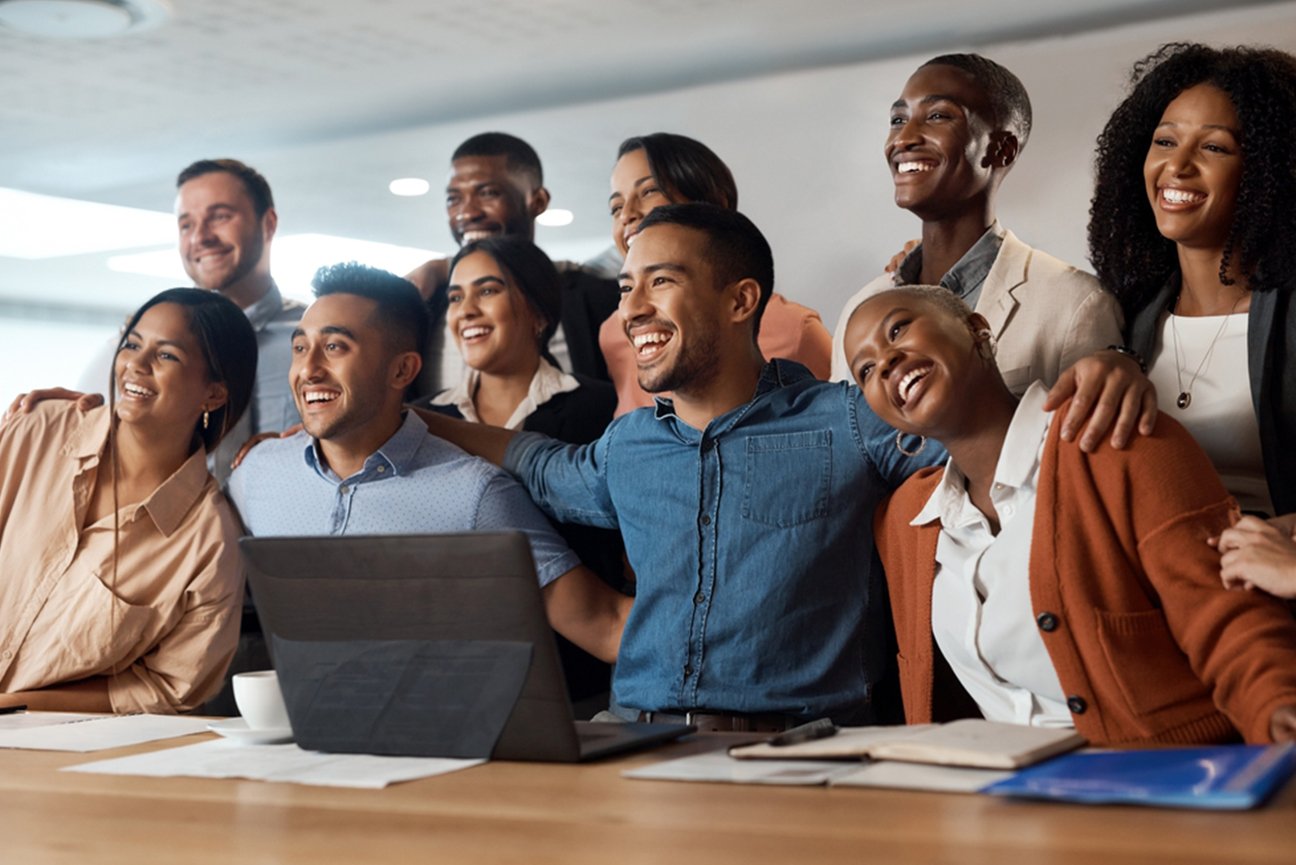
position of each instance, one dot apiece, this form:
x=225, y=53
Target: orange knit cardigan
x=1148, y=646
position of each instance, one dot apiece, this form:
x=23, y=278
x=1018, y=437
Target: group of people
x=1078, y=512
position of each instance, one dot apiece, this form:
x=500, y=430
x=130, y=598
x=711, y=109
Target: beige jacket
x=1044, y=313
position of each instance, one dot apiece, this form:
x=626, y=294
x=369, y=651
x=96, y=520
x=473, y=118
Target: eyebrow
x=171, y=342
x=927, y=100
x=1229, y=129
x=647, y=178
x=654, y=268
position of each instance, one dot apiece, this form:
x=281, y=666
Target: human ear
x=269, y=224
x=537, y=202
x=217, y=396
x=404, y=369
x=1002, y=150
x=746, y=295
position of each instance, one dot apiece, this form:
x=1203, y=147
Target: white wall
x=806, y=147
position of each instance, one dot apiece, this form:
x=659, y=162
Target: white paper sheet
x=717, y=766
x=228, y=759
x=62, y=731
x=920, y=776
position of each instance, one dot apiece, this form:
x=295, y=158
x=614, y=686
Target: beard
x=693, y=368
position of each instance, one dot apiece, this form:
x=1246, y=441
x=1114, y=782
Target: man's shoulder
x=1042, y=267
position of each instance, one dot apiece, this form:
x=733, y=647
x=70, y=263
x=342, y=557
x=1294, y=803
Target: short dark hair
x=401, y=310
x=520, y=156
x=736, y=248
x=1009, y=103
x=686, y=167
x=229, y=349
x=1129, y=254
x=257, y=188
x=535, y=275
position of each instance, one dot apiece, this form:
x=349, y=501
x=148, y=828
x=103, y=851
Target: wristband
x=1131, y=354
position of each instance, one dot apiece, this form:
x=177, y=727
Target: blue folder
x=1221, y=777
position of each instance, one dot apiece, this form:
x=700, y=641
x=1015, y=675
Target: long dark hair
x=534, y=274
x=1128, y=253
x=685, y=168
x=229, y=350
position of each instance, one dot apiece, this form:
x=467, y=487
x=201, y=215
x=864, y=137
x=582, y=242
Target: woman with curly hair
x=1193, y=227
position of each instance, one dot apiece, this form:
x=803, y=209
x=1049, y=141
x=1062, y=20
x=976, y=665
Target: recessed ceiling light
x=555, y=217
x=409, y=186
x=82, y=19
x=36, y=226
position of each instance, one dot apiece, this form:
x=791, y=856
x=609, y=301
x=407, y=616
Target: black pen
x=820, y=729
x=9, y=710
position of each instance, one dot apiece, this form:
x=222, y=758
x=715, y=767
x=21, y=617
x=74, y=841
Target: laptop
x=422, y=645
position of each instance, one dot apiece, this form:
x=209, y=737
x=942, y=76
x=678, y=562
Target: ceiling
x=334, y=99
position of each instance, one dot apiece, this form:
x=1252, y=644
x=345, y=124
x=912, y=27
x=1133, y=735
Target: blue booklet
x=1220, y=777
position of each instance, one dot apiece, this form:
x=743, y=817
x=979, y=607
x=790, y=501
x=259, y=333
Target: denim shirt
x=968, y=274
x=752, y=542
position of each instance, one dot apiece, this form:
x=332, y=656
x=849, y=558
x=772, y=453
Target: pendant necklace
x=1185, y=393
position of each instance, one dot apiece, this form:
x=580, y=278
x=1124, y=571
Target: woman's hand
x=260, y=437
x=1104, y=387
x=1257, y=554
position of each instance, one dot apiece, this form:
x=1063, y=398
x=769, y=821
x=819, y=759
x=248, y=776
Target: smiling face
x=1193, y=168
x=913, y=359
x=672, y=310
x=939, y=140
x=494, y=327
x=162, y=378
x=342, y=369
x=222, y=241
x=485, y=199
x=635, y=194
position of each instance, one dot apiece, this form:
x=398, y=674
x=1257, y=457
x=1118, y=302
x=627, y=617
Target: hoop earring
x=913, y=453
x=206, y=418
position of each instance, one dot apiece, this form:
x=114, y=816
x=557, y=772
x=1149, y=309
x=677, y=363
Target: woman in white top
x=1193, y=227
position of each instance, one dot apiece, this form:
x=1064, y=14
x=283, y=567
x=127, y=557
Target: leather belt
x=724, y=722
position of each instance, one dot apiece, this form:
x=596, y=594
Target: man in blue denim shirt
x=746, y=501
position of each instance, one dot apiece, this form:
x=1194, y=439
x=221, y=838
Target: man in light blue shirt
x=360, y=466
x=746, y=500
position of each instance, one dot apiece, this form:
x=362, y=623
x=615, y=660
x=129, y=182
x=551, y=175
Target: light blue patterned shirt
x=415, y=483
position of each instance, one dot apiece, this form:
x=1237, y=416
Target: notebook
x=971, y=742
x=422, y=645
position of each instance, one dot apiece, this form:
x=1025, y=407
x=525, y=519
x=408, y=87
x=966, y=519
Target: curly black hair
x=1130, y=256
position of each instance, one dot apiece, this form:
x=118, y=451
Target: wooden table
x=534, y=813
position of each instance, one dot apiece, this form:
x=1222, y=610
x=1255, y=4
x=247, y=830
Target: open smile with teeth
x=472, y=235
x=908, y=386
x=1181, y=196
x=650, y=343
x=317, y=397
x=914, y=166
x=475, y=332
x=135, y=391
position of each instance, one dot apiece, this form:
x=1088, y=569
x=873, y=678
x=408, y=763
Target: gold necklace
x=1185, y=393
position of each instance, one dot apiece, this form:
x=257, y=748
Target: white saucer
x=238, y=730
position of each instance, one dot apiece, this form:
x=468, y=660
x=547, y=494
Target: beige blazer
x=1044, y=313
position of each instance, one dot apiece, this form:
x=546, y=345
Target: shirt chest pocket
x=98, y=630
x=787, y=478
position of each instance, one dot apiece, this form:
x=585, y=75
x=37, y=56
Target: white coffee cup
x=260, y=701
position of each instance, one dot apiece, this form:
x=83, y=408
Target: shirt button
x=706, y=519
x=8, y=654
x=699, y=598
x=1047, y=621
x=382, y=469
x=1077, y=705
x=344, y=489
x=688, y=671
